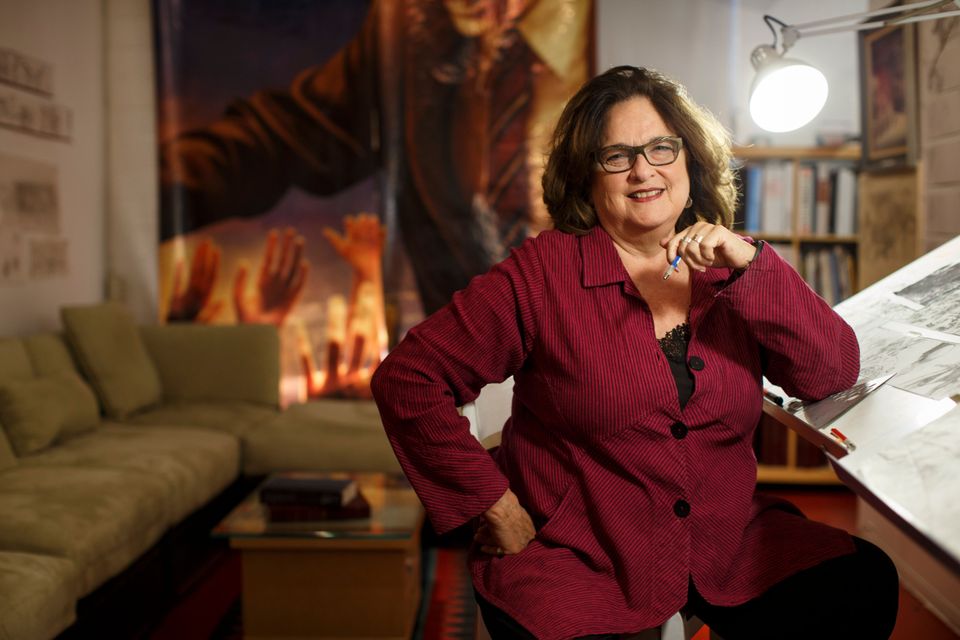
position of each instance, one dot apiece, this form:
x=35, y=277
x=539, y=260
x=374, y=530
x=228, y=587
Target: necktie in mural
x=510, y=99
x=492, y=145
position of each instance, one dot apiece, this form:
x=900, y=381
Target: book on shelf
x=308, y=491
x=845, y=201
x=806, y=197
x=847, y=270
x=835, y=208
x=830, y=271
x=785, y=251
x=828, y=276
x=824, y=200
x=777, y=196
x=770, y=442
x=811, y=269
x=753, y=190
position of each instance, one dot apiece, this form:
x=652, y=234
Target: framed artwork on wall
x=889, y=97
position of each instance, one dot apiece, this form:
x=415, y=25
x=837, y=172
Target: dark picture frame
x=888, y=97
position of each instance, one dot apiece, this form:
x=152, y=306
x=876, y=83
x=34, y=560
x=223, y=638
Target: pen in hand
x=673, y=267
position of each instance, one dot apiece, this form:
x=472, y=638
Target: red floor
x=197, y=615
x=837, y=507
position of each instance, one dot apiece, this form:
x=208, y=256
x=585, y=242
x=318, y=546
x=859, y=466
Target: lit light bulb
x=786, y=94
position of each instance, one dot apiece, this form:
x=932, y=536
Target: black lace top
x=674, y=346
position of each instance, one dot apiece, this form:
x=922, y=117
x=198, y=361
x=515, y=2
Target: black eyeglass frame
x=634, y=152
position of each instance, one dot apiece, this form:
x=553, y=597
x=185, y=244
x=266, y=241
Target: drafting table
x=905, y=455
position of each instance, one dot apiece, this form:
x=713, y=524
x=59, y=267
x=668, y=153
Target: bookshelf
x=814, y=224
x=783, y=456
x=803, y=202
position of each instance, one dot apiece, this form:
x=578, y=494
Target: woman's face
x=646, y=198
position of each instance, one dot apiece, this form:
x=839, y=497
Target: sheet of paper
x=909, y=324
x=917, y=475
x=822, y=413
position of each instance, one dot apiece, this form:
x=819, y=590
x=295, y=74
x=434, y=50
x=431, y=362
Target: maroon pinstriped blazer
x=630, y=494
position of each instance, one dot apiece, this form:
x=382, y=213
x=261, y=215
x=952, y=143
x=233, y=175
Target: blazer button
x=679, y=430
x=695, y=363
x=681, y=508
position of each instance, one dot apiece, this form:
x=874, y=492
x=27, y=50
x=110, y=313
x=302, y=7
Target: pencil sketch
x=29, y=202
x=48, y=257
x=922, y=365
x=931, y=289
x=873, y=312
x=918, y=473
x=11, y=258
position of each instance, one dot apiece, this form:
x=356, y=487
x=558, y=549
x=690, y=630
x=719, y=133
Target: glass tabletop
x=395, y=513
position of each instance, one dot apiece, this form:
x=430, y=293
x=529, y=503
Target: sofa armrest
x=216, y=362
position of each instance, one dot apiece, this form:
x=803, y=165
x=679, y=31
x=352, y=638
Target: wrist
x=502, y=508
x=754, y=252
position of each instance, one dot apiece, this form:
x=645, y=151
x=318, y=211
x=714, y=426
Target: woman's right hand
x=505, y=528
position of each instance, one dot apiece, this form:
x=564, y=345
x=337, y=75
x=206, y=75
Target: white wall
x=131, y=199
x=67, y=35
x=706, y=45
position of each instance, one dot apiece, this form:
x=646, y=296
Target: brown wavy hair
x=571, y=165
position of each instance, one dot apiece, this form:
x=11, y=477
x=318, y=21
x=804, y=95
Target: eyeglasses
x=620, y=157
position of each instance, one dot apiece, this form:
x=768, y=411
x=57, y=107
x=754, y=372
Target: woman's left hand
x=704, y=245
x=505, y=528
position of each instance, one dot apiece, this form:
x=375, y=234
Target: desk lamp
x=788, y=93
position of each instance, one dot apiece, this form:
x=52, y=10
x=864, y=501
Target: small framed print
x=889, y=97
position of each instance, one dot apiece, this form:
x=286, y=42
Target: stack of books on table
x=305, y=499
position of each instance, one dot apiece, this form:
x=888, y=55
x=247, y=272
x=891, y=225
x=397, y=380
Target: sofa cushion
x=49, y=354
x=230, y=417
x=101, y=519
x=321, y=435
x=200, y=363
x=37, y=411
x=14, y=359
x=111, y=354
x=194, y=465
x=37, y=595
x=14, y=364
x=7, y=457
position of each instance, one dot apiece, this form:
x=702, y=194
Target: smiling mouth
x=648, y=194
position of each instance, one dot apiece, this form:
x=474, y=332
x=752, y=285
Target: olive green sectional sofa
x=111, y=434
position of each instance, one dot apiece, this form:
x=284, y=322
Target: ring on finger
x=697, y=238
x=686, y=240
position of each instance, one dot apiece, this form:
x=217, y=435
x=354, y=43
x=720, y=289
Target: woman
x=623, y=489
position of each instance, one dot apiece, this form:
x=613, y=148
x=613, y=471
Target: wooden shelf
x=800, y=243
x=803, y=243
x=776, y=474
x=846, y=152
x=827, y=239
x=788, y=238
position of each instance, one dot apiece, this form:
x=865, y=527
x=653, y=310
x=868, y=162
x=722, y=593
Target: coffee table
x=333, y=578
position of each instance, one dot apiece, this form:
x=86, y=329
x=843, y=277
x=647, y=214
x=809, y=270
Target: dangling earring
x=689, y=203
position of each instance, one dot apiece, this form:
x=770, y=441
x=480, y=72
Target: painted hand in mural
x=361, y=244
x=279, y=283
x=355, y=333
x=193, y=304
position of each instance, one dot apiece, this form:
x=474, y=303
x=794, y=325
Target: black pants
x=853, y=596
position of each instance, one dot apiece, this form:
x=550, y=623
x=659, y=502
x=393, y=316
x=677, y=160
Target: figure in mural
x=280, y=282
x=454, y=100
x=353, y=325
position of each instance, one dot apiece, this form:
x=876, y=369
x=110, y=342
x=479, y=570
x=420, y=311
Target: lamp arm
x=882, y=23
x=792, y=33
